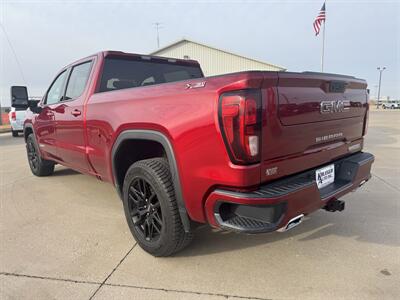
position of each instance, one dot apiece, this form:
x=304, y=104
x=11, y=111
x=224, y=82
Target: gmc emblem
x=329, y=107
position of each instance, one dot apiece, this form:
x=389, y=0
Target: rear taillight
x=240, y=123
x=13, y=115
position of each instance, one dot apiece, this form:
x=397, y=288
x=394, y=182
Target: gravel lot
x=65, y=237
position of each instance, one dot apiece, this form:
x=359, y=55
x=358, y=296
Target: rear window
x=122, y=73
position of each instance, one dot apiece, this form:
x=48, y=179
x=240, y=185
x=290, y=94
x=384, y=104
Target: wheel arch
x=163, y=141
x=28, y=129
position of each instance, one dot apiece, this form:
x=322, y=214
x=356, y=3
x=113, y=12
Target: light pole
x=379, y=86
x=158, y=27
x=376, y=92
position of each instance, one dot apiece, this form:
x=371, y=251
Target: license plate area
x=325, y=176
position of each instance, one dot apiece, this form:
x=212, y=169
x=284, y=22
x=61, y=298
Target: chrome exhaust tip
x=292, y=223
x=362, y=183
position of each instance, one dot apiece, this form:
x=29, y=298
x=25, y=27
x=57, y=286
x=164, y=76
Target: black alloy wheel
x=38, y=165
x=33, y=157
x=144, y=209
x=151, y=208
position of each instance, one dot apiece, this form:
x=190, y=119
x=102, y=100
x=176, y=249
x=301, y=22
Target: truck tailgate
x=306, y=98
x=20, y=116
x=311, y=119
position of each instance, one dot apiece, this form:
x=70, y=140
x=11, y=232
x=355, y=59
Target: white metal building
x=214, y=61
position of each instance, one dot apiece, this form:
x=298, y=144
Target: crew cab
x=250, y=152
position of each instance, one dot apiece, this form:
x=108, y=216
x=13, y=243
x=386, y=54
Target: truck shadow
x=371, y=216
x=321, y=224
x=64, y=172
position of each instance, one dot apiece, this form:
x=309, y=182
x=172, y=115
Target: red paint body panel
x=189, y=119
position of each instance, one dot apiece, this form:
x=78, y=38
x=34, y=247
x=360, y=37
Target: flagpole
x=323, y=43
x=323, y=47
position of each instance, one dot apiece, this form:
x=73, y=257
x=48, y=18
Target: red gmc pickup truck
x=250, y=152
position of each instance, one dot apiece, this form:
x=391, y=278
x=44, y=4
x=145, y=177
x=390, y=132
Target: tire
x=151, y=209
x=14, y=133
x=39, y=166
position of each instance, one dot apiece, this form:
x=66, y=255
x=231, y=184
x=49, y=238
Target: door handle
x=76, y=113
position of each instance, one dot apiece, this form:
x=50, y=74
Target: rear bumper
x=274, y=204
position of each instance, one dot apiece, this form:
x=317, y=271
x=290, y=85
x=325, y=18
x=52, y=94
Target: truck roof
x=147, y=56
x=106, y=53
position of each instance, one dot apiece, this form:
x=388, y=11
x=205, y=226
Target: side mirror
x=33, y=106
x=33, y=103
x=19, y=97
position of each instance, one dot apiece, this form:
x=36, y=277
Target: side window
x=56, y=90
x=77, y=80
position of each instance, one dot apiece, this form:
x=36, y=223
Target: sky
x=47, y=35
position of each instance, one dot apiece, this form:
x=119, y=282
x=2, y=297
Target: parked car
x=249, y=152
x=17, y=117
x=391, y=104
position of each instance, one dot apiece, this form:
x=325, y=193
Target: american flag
x=319, y=19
